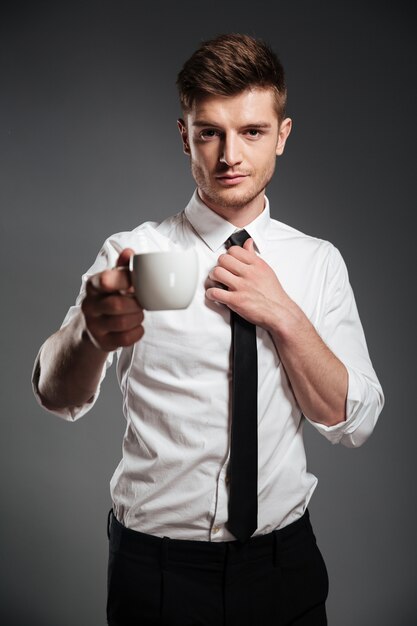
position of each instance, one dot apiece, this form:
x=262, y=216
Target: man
x=189, y=544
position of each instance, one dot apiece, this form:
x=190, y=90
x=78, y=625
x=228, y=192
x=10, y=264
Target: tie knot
x=239, y=238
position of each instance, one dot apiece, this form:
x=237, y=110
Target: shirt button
x=227, y=480
x=215, y=530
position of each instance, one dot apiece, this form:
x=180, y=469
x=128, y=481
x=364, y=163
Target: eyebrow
x=206, y=123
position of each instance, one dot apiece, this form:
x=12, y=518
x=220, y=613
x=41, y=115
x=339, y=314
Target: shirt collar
x=214, y=230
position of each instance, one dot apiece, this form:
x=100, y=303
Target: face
x=233, y=143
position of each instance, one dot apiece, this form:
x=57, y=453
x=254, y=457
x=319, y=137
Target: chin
x=233, y=199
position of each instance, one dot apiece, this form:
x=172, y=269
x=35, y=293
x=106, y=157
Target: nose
x=230, y=153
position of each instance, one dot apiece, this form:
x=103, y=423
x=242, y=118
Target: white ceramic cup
x=164, y=280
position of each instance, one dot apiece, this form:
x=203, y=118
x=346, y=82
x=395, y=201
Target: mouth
x=231, y=179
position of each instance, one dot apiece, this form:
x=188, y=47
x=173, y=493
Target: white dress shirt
x=176, y=381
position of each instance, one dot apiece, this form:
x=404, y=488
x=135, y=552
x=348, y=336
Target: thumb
x=249, y=245
x=124, y=257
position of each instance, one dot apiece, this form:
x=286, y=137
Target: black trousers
x=278, y=579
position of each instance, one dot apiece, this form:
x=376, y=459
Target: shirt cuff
x=363, y=405
x=69, y=413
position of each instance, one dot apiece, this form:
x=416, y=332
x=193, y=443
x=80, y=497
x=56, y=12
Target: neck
x=239, y=216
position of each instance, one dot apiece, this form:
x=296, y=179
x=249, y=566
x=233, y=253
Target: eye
x=209, y=133
x=253, y=133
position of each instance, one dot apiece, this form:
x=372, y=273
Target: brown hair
x=228, y=65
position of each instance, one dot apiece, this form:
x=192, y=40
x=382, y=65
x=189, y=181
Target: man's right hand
x=112, y=315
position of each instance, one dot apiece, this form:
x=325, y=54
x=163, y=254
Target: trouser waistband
x=184, y=550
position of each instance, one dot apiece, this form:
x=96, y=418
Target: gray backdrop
x=89, y=146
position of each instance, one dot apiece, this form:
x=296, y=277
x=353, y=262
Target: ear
x=284, y=131
x=184, y=136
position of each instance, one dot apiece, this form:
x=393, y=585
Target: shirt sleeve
x=343, y=333
x=106, y=259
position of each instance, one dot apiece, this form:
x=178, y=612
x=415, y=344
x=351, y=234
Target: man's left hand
x=253, y=289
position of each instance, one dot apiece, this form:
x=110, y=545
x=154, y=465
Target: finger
x=98, y=305
x=249, y=245
x=218, y=295
x=242, y=254
x=232, y=264
x=114, y=323
x=113, y=341
x=110, y=281
x=223, y=276
x=117, y=305
x=122, y=340
x=124, y=257
x=234, y=300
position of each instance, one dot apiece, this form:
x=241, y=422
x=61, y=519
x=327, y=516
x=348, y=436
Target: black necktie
x=243, y=467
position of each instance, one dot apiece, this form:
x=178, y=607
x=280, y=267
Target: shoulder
x=147, y=237
x=312, y=256
x=297, y=242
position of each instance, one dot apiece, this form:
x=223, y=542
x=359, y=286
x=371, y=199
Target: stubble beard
x=231, y=198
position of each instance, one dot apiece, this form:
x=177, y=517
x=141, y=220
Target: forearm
x=318, y=378
x=70, y=367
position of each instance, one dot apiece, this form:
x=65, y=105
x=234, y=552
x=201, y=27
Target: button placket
x=220, y=509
